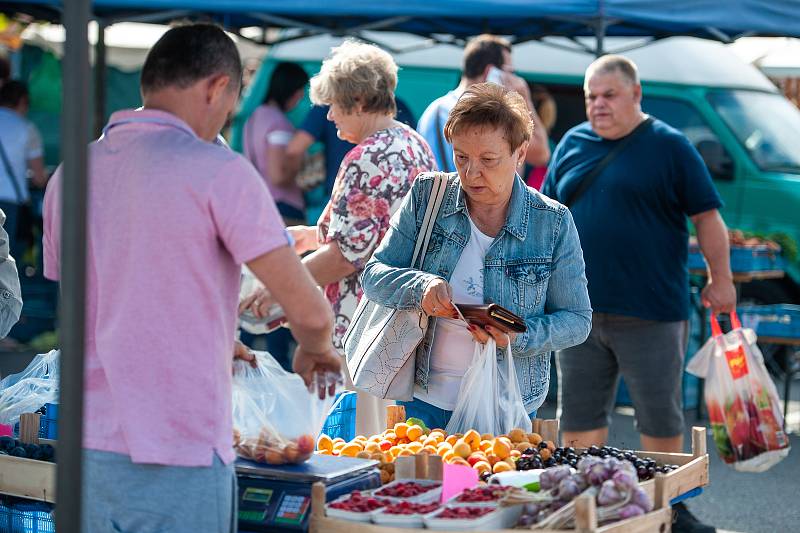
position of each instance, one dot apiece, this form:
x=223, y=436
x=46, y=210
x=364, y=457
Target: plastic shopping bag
x=489, y=399
x=275, y=417
x=29, y=390
x=743, y=404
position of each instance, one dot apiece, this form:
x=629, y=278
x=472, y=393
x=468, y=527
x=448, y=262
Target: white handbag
x=380, y=343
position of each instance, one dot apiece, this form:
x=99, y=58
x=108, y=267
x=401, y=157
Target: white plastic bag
x=275, y=417
x=489, y=400
x=29, y=390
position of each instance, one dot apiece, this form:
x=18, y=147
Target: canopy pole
x=600, y=36
x=75, y=116
x=100, y=79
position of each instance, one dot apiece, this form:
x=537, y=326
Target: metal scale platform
x=278, y=498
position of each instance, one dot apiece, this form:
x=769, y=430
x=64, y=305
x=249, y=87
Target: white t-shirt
x=453, y=345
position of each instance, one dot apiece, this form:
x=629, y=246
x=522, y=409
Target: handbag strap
x=10, y=172
x=587, y=181
x=438, y=189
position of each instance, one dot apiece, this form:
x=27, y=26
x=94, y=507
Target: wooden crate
x=692, y=471
x=27, y=478
x=429, y=467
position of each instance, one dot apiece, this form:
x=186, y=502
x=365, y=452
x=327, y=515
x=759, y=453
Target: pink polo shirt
x=171, y=220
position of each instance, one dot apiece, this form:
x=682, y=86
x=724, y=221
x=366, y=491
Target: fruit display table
x=660, y=519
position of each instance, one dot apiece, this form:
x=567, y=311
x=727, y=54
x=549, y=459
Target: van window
x=684, y=117
x=766, y=124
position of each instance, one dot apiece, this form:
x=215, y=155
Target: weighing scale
x=278, y=498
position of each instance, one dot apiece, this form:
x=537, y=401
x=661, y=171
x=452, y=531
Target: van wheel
x=776, y=356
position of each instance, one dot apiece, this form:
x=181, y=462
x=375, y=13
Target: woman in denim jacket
x=494, y=240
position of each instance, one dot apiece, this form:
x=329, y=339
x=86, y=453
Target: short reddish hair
x=489, y=104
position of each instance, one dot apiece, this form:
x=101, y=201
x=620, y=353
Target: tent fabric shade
x=522, y=19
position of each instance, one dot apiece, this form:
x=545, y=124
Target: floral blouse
x=373, y=179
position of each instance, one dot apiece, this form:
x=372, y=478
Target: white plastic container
x=426, y=497
x=499, y=518
x=379, y=516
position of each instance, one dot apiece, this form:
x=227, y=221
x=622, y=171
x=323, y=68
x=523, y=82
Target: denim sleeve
x=387, y=278
x=568, y=313
x=10, y=293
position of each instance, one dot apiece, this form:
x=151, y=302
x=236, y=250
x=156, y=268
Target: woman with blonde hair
x=358, y=81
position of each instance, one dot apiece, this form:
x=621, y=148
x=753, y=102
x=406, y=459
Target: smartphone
x=495, y=75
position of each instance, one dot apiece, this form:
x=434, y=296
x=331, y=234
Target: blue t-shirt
x=318, y=126
x=632, y=220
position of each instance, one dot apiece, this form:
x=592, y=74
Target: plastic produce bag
x=742, y=402
x=27, y=391
x=489, y=399
x=275, y=417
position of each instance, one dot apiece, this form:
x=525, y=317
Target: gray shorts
x=647, y=353
x=120, y=496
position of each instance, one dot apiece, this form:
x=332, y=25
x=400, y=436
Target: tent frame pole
x=75, y=116
x=100, y=78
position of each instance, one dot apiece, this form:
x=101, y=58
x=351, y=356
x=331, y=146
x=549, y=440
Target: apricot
x=436, y=434
x=522, y=446
x=395, y=450
x=473, y=438
x=372, y=447
x=517, y=435
x=487, y=436
x=451, y=440
x=493, y=459
x=534, y=438
x=414, y=432
x=404, y=452
x=325, y=443
x=482, y=466
x=545, y=454
x=486, y=445
x=400, y=429
x=385, y=445
x=501, y=466
x=361, y=438
x=516, y=453
x=364, y=455
x=462, y=449
x=501, y=448
x=446, y=456
x=415, y=447
x=458, y=461
x=350, y=450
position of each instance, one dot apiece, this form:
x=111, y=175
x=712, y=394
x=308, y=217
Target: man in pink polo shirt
x=172, y=217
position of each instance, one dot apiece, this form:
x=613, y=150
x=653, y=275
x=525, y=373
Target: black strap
x=439, y=141
x=587, y=181
x=10, y=173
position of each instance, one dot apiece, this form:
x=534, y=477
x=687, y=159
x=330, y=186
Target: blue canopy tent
x=443, y=21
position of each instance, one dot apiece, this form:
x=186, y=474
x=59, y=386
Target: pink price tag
x=456, y=478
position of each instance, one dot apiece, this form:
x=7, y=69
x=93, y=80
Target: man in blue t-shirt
x=487, y=58
x=631, y=219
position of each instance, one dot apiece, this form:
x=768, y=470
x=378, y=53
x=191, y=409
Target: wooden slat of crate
x=27, y=478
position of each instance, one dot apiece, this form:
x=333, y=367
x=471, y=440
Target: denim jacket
x=534, y=267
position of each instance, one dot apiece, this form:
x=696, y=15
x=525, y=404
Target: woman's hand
x=305, y=238
x=258, y=303
x=437, y=300
x=482, y=335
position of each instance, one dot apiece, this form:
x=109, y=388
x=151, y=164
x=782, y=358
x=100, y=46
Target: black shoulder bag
x=587, y=181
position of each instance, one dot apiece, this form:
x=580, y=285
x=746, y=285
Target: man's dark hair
x=482, y=51
x=12, y=93
x=286, y=79
x=187, y=54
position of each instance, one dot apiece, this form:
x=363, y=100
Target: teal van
x=746, y=131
